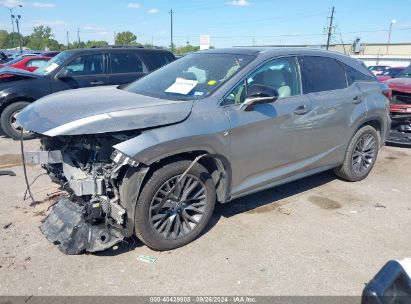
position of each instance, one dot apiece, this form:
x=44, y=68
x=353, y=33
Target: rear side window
x=353, y=75
x=321, y=74
x=126, y=63
x=160, y=59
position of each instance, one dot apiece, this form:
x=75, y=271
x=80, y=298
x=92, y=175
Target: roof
x=273, y=51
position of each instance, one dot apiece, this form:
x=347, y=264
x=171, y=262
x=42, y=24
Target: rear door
x=87, y=70
x=125, y=67
x=337, y=105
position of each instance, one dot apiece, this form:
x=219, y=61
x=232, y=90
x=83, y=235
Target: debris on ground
x=7, y=226
x=40, y=213
x=284, y=210
x=348, y=213
x=35, y=203
x=147, y=259
x=378, y=205
x=7, y=172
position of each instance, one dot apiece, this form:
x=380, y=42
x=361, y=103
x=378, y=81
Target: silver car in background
x=152, y=158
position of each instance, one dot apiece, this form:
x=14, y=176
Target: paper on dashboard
x=182, y=86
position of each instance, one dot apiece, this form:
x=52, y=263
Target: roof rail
x=117, y=46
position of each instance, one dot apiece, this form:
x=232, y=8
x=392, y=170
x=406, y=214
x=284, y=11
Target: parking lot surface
x=316, y=236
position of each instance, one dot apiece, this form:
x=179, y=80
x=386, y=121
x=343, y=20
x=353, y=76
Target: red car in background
x=29, y=63
x=400, y=108
x=389, y=73
x=378, y=69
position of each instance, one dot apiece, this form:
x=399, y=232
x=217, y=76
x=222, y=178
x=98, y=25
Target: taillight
x=387, y=93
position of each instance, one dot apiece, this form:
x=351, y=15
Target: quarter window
x=353, y=75
x=322, y=74
x=126, y=63
x=87, y=65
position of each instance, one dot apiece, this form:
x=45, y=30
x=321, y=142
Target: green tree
x=4, y=38
x=182, y=50
x=126, y=38
x=96, y=43
x=41, y=38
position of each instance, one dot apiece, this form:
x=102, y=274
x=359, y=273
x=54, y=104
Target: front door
x=272, y=141
x=84, y=71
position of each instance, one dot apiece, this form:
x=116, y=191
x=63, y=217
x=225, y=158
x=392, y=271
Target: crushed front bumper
x=400, y=133
x=67, y=228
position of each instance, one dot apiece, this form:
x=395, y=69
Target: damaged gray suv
x=152, y=158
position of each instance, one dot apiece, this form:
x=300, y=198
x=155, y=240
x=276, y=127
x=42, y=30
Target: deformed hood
x=99, y=110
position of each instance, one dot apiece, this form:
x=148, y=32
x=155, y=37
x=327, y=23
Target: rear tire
x=361, y=155
x=184, y=215
x=7, y=121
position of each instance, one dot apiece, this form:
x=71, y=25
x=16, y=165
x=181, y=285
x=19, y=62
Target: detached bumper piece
x=399, y=138
x=66, y=227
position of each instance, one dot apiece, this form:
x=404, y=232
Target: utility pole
x=78, y=36
x=68, y=43
x=12, y=17
x=330, y=28
x=12, y=24
x=389, y=34
x=114, y=41
x=18, y=32
x=172, y=44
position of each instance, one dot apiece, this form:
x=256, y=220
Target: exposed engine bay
x=92, y=218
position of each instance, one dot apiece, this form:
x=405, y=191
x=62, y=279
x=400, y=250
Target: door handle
x=301, y=110
x=96, y=83
x=357, y=99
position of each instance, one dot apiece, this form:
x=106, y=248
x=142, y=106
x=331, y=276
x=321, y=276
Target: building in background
x=399, y=54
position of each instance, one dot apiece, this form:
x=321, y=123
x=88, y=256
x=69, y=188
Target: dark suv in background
x=73, y=69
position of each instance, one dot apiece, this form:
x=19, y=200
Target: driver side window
x=280, y=74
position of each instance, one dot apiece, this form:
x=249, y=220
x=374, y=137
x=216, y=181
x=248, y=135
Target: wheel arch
x=134, y=179
x=14, y=99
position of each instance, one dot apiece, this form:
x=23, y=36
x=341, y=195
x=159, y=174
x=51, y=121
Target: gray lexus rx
x=152, y=158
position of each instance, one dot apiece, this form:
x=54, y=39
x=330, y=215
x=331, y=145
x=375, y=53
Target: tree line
x=42, y=38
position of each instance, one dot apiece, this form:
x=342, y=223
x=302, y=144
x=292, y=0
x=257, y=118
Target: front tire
x=164, y=224
x=361, y=155
x=8, y=121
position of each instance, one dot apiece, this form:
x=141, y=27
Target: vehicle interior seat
x=275, y=79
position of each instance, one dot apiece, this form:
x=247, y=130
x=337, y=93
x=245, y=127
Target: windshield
x=53, y=64
x=191, y=77
x=405, y=74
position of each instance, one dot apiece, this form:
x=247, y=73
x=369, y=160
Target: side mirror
x=64, y=73
x=259, y=94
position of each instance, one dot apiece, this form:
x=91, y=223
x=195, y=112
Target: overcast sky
x=228, y=22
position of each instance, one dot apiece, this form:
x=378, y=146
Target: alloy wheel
x=176, y=214
x=364, y=154
x=13, y=122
